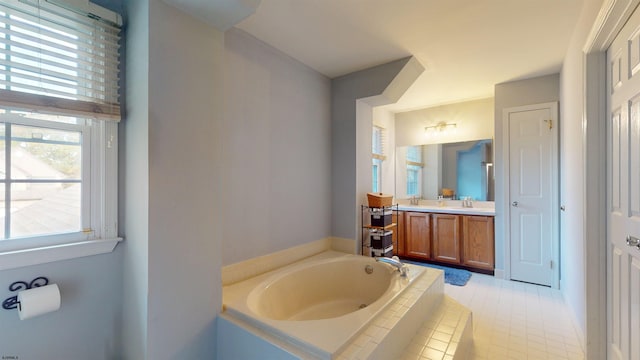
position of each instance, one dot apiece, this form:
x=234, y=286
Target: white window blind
x=58, y=59
x=377, y=143
x=58, y=150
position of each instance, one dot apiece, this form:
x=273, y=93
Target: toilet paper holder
x=12, y=302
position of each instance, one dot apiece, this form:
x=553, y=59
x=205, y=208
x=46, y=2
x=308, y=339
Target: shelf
x=380, y=227
x=367, y=229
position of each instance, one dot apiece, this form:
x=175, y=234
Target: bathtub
x=317, y=305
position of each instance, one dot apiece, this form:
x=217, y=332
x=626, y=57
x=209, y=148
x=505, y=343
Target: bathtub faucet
x=395, y=262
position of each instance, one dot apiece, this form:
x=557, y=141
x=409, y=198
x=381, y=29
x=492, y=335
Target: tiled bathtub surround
x=424, y=312
x=313, y=304
x=386, y=337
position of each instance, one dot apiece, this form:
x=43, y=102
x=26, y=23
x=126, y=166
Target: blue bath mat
x=458, y=277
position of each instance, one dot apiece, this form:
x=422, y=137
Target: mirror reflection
x=451, y=170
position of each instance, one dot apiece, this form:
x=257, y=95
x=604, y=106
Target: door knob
x=514, y=204
x=633, y=241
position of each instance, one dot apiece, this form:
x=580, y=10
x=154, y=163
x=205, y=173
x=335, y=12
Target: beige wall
x=572, y=236
x=537, y=90
x=185, y=103
x=474, y=120
x=276, y=151
x=134, y=182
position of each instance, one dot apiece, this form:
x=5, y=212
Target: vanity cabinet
x=446, y=238
x=478, y=242
x=417, y=235
x=464, y=240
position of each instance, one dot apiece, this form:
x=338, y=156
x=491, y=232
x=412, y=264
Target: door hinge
x=550, y=264
x=550, y=123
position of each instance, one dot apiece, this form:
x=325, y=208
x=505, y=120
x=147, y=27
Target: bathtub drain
x=362, y=306
x=368, y=269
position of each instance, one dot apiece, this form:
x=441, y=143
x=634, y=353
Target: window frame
x=376, y=175
x=99, y=208
x=418, y=172
x=377, y=157
x=413, y=165
x=99, y=233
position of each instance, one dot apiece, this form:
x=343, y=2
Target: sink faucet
x=395, y=262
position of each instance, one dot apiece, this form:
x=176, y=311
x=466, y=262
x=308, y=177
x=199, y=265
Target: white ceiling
x=466, y=46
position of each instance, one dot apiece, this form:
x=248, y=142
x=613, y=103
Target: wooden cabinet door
x=398, y=233
x=417, y=235
x=446, y=238
x=478, y=242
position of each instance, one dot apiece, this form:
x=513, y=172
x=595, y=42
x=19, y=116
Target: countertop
x=451, y=207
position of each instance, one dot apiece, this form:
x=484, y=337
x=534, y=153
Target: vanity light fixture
x=440, y=128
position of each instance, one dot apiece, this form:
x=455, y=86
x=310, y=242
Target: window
x=59, y=110
x=377, y=154
x=414, y=170
x=376, y=175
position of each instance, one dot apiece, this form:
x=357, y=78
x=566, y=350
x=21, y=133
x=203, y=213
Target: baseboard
x=498, y=274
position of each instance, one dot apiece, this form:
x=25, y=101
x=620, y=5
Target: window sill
x=42, y=255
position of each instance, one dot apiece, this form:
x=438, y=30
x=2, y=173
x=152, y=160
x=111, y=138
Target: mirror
x=452, y=170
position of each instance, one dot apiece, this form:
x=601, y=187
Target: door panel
x=623, y=276
x=615, y=163
x=616, y=306
x=531, y=252
x=634, y=317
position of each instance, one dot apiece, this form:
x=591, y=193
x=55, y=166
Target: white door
x=623, y=286
x=532, y=192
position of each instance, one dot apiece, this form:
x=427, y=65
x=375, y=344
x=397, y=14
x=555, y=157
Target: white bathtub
x=319, y=304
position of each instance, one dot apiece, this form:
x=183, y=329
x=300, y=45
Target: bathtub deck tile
x=439, y=335
x=361, y=340
x=452, y=348
x=350, y=352
x=432, y=354
x=376, y=334
x=423, y=296
x=391, y=322
x=366, y=351
x=438, y=345
x=442, y=334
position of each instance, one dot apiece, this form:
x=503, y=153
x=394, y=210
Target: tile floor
x=512, y=320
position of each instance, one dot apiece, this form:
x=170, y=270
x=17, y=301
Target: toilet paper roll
x=38, y=301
